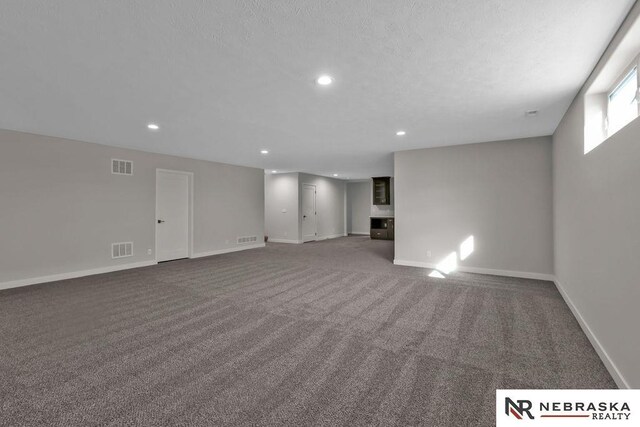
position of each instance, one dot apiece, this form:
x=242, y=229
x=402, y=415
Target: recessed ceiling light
x=274, y=171
x=264, y=151
x=153, y=126
x=335, y=174
x=401, y=133
x=324, y=80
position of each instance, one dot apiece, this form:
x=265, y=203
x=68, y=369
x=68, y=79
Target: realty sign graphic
x=567, y=408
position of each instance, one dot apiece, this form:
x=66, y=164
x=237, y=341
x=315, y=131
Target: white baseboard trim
x=359, y=233
x=507, y=273
x=413, y=263
x=227, y=250
x=285, y=241
x=73, y=274
x=608, y=363
x=319, y=238
x=109, y=269
x=330, y=236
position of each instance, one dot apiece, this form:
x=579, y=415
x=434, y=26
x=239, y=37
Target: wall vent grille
x=121, y=167
x=247, y=239
x=121, y=250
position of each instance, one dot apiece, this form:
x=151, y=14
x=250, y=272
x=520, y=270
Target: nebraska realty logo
x=519, y=409
x=569, y=408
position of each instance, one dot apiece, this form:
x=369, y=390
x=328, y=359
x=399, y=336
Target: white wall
x=62, y=208
x=499, y=192
x=597, y=233
x=282, y=207
x=330, y=205
x=358, y=206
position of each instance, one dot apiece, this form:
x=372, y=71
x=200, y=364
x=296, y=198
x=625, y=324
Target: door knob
x=304, y=216
x=160, y=221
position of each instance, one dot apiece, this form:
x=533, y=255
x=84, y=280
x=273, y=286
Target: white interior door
x=309, y=226
x=172, y=215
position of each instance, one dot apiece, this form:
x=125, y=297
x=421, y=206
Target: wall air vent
x=121, y=250
x=121, y=167
x=247, y=239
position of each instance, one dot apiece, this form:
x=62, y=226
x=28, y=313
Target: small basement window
x=623, y=103
x=611, y=102
x=610, y=98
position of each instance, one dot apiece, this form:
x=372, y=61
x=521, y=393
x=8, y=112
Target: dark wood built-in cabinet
x=382, y=228
x=382, y=190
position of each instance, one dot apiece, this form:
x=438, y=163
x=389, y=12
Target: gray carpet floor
x=325, y=333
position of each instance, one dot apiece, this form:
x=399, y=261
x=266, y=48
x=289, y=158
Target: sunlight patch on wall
x=466, y=248
x=449, y=264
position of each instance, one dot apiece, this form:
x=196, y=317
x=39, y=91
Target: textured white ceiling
x=227, y=78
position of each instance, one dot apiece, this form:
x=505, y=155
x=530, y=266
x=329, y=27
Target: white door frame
x=315, y=213
x=155, y=219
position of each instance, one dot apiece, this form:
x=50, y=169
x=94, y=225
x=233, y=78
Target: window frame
x=635, y=65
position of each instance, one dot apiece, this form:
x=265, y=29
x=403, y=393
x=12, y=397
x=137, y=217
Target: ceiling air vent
x=247, y=239
x=121, y=250
x=121, y=167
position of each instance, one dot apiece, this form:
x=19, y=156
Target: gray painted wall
x=284, y=191
x=499, y=192
x=358, y=206
x=62, y=208
x=281, y=193
x=331, y=197
x=597, y=233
